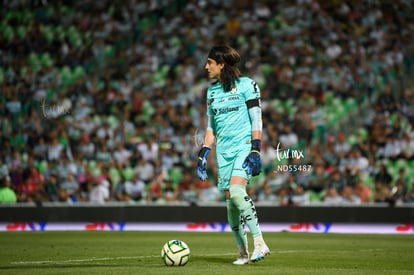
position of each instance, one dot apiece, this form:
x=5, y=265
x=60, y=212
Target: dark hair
x=224, y=54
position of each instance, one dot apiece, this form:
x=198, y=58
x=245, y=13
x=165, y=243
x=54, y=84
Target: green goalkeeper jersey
x=229, y=114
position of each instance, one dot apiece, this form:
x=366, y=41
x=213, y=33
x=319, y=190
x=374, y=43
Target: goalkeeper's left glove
x=252, y=163
x=202, y=163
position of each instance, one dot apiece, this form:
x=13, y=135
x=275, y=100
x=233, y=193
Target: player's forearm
x=255, y=114
x=257, y=135
x=209, y=138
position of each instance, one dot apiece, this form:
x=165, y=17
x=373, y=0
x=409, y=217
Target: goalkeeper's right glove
x=202, y=163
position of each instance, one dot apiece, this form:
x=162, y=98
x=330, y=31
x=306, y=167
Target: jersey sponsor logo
x=235, y=97
x=226, y=110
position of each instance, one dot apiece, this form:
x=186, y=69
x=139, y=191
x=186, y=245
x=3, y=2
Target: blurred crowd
x=103, y=101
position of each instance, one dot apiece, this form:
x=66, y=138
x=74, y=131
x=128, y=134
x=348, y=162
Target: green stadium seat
x=114, y=175
x=350, y=104
x=290, y=107
x=48, y=33
x=79, y=71
x=59, y=32
x=352, y=139
x=96, y=171
x=92, y=164
x=21, y=31
x=96, y=119
x=128, y=172
x=363, y=133
x=315, y=197
x=8, y=33
x=175, y=175
x=42, y=166
x=267, y=69
x=46, y=60
x=336, y=101
x=66, y=76
x=401, y=163
x=109, y=51
x=329, y=98
x=370, y=182
x=35, y=61
x=113, y=121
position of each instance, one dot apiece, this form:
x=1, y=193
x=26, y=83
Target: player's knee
x=237, y=194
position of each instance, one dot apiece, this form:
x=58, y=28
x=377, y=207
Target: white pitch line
x=100, y=259
x=152, y=256
x=80, y=260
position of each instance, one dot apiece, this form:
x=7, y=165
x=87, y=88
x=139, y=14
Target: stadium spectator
x=154, y=190
x=120, y=192
x=387, y=100
x=398, y=194
x=288, y=138
x=392, y=149
x=208, y=192
x=401, y=186
x=55, y=150
x=87, y=147
x=382, y=192
x=71, y=187
x=277, y=179
x=135, y=188
x=51, y=188
x=268, y=156
x=332, y=197
x=410, y=196
x=407, y=103
x=349, y=197
x=169, y=192
x=266, y=195
x=357, y=163
x=99, y=192
x=103, y=155
x=318, y=179
x=296, y=196
x=145, y=170
x=363, y=192
x=342, y=147
x=64, y=167
x=122, y=155
x=407, y=147
x=337, y=181
x=383, y=177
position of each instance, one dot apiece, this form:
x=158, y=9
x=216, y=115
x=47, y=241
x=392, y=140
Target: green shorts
x=230, y=164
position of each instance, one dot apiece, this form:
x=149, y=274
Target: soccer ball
x=175, y=253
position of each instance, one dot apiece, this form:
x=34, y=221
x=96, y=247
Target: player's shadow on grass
x=212, y=259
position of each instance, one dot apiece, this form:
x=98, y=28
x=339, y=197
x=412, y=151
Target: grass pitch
x=211, y=253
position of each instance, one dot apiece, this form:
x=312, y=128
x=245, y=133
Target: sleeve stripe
x=253, y=103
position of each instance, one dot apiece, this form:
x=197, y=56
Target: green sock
x=237, y=225
x=246, y=207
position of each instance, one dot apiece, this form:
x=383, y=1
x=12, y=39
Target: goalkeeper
x=234, y=121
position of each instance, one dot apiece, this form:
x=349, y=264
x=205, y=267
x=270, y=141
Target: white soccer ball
x=175, y=253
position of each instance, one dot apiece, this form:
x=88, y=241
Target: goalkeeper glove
x=252, y=163
x=202, y=163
